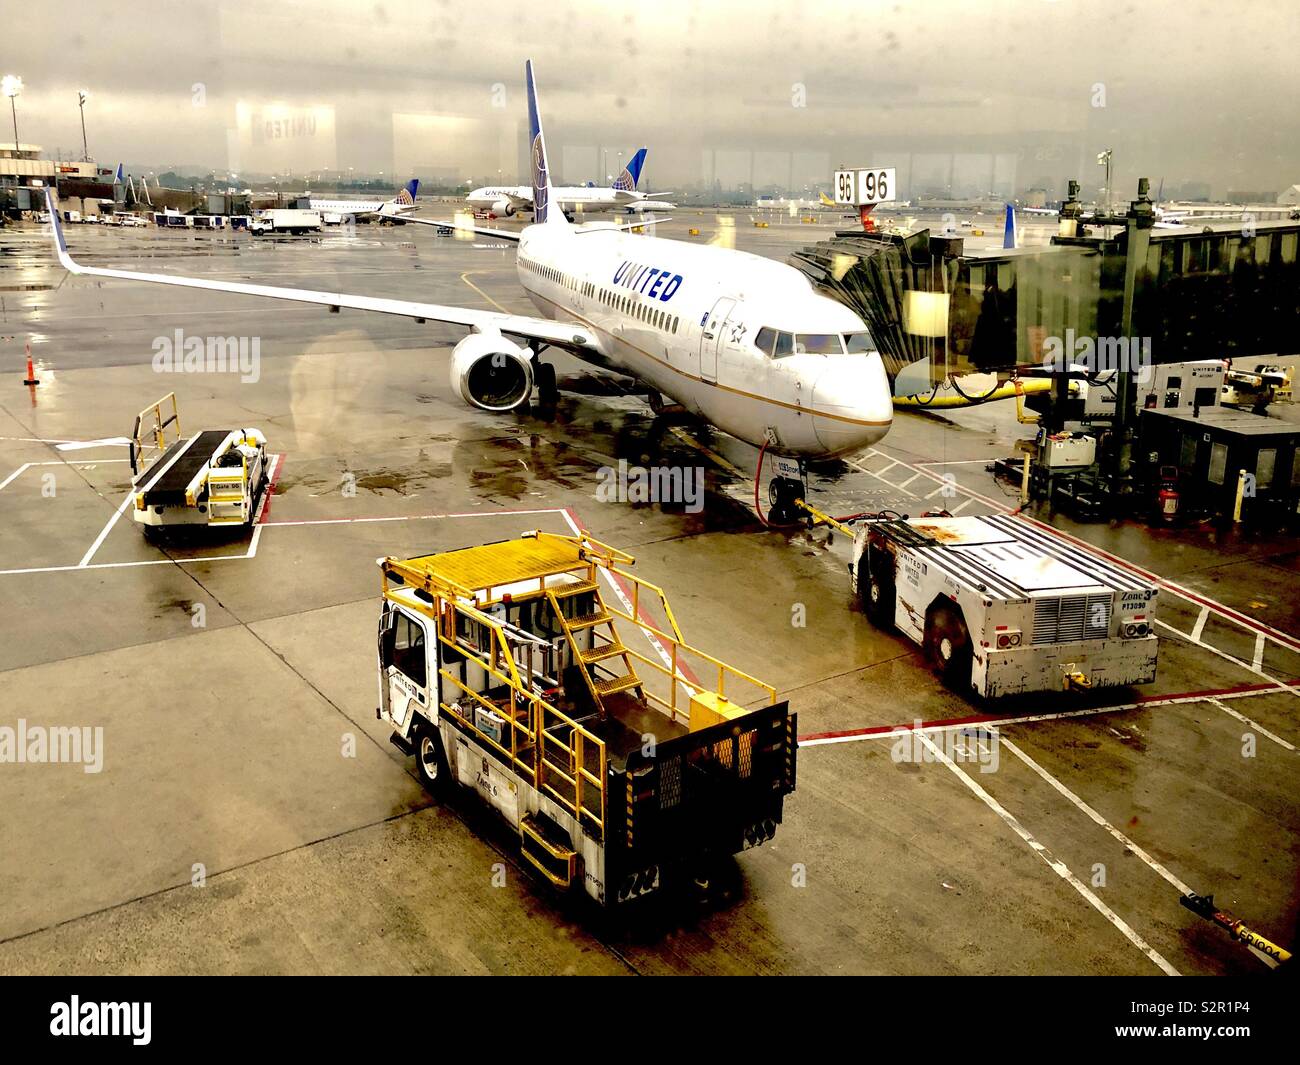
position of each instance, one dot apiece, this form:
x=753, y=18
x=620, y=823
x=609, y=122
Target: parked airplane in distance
x=504, y=201
x=336, y=211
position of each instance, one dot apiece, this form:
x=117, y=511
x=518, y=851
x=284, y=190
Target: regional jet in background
x=504, y=201
x=334, y=212
x=744, y=342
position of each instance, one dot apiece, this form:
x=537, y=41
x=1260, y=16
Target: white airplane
x=333, y=212
x=742, y=341
x=504, y=201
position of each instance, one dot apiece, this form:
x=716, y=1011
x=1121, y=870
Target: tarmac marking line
x=1055, y=864
x=103, y=533
x=1253, y=724
x=1199, y=627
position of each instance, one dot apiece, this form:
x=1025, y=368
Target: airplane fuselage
x=687, y=318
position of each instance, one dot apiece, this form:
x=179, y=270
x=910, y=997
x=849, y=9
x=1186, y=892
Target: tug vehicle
x=1004, y=606
x=508, y=674
x=216, y=477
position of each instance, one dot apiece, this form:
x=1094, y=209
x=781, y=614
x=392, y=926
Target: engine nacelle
x=503, y=208
x=491, y=373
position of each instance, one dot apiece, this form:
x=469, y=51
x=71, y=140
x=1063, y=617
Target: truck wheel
x=947, y=645
x=878, y=600
x=430, y=761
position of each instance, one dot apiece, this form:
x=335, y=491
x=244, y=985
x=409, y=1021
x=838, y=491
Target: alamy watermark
x=59, y=744
x=1098, y=354
x=977, y=745
x=179, y=353
x=652, y=484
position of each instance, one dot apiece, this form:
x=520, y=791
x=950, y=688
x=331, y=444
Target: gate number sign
x=861, y=187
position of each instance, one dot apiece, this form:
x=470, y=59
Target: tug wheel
x=948, y=646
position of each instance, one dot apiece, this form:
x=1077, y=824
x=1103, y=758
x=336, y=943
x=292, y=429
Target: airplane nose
x=852, y=407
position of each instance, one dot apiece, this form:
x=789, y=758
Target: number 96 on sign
x=861, y=187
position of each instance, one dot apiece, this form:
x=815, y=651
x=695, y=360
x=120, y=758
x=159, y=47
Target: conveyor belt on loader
x=164, y=483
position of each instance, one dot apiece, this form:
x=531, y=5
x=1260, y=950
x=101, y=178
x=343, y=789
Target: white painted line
x=1025, y=719
x=80, y=445
x=1259, y=653
x=881, y=473
x=1286, y=686
x=1055, y=864
x=942, y=488
x=1199, y=627
x=961, y=506
x=14, y=476
x=252, y=544
x=407, y=517
x=909, y=480
x=103, y=533
x=955, y=462
x=1159, y=869
x=1253, y=724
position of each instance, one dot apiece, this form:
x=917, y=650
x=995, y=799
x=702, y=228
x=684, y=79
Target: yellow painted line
x=465, y=277
x=690, y=441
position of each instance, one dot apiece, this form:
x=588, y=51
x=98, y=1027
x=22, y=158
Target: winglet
x=542, y=211
x=60, y=245
x=632, y=172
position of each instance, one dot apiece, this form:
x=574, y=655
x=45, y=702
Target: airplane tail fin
x=826, y=201
x=407, y=196
x=543, y=210
x=1010, y=232
x=632, y=172
x=118, y=175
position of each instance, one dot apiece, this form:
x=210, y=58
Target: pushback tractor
x=1003, y=606
x=509, y=672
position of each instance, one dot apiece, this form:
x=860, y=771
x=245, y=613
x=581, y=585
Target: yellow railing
x=530, y=719
x=158, y=430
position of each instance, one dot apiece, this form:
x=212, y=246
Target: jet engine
x=503, y=208
x=491, y=373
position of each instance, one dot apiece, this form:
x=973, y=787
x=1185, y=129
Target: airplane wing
x=575, y=338
x=460, y=226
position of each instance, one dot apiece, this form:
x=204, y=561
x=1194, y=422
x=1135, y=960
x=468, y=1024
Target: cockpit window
x=859, y=343
x=819, y=343
x=774, y=343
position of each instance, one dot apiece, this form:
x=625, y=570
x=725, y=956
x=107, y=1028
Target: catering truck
x=284, y=220
x=1002, y=605
x=509, y=675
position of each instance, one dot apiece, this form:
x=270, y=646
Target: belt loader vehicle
x=505, y=670
x=214, y=478
x=1002, y=606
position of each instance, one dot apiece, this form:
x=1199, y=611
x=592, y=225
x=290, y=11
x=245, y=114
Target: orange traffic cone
x=31, y=370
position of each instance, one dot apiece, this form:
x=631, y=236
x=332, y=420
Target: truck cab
x=504, y=671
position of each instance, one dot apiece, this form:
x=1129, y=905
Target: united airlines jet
x=742, y=341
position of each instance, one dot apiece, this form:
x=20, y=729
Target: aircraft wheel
x=548, y=393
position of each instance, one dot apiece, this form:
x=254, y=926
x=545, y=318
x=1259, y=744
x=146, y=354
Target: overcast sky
x=973, y=93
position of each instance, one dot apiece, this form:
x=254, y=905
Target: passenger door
x=404, y=665
x=713, y=337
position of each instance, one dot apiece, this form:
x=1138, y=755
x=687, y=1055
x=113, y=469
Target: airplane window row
x=656, y=318
x=778, y=344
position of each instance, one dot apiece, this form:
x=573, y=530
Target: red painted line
x=683, y=667
x=414, y=517
x=265, y=508
x=977, y=719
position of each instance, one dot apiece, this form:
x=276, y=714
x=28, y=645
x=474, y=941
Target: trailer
x=1003, y=606
x=216, y=477
x=504, y=669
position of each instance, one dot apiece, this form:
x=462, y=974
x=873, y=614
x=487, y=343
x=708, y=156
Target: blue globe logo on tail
x=631, y=173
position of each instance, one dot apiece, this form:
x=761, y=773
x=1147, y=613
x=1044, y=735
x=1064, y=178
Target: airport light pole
x=82, y=96
x=11, y=85
x=1103, y=159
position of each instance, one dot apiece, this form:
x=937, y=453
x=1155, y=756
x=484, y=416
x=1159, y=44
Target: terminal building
x=24, y=173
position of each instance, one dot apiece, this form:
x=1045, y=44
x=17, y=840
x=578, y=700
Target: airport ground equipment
x=1203, y=906
x=213, y=478
x=507, y=672
x=285, y=220
x=1003, y=606
x=1231, y=464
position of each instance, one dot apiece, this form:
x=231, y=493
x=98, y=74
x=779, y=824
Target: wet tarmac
x=250, y=815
